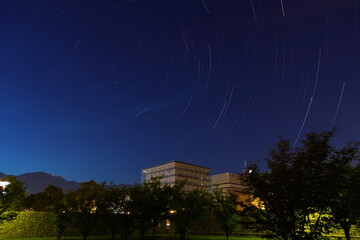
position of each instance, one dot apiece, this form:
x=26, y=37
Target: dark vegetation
x=309, y=192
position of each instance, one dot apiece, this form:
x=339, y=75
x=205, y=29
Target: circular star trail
x=100, y=89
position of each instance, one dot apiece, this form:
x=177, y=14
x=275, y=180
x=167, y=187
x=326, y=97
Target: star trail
x=101, y=89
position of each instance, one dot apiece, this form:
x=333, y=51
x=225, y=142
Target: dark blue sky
x=100, y=89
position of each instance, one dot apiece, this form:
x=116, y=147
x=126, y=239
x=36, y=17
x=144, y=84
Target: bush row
x=28, y=225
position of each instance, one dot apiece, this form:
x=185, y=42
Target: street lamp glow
x=3, y=184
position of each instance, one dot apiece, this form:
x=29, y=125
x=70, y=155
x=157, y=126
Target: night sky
x=100, y=89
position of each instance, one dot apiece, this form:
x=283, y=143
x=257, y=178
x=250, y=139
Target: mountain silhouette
x=37, y=181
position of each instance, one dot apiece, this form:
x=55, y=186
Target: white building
x=195, y=176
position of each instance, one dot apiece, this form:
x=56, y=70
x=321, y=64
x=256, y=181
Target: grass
x=160, y=237
x=167, y=237
x=222, y=238
x=163, y=237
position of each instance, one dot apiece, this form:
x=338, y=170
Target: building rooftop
x=174, y=161
x=228, y=173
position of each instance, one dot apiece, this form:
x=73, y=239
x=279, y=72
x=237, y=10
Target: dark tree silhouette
x=344, y=180
x=189, y=208
x=84, y=204
x=225, y=210
x=295, y=191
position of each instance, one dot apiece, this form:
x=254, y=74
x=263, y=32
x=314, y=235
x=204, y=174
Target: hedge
x=33, y=224
x=29, y=225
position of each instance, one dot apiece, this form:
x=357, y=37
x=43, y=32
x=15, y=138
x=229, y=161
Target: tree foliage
x=12, y=197
x=302, y=188
x=118, y=207
x=189, y=208
x=344, y=179
x=51, y=197
x=84, y=204
x=225, y=210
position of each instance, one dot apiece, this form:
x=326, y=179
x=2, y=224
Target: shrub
x=28, y=225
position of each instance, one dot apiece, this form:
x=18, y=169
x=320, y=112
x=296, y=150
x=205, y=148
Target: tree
x=118, y=207
x=344, y=179
x=51, y=199
x=12, y=196
x=160, y=197
x=189, y=208
x=150, y=204
x=294, y=191
x=60, y=218
x=44, y=201
x=140, y=207
x=54, y=195
x=84, y=204
x=225, y=209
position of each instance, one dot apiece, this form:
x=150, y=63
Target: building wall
x=231, y=183
x=227, y=182
x=195, y=176
x=198, y=177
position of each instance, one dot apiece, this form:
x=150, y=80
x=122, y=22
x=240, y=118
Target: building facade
x=195, y=176
x=231, y=183
x=227, y=182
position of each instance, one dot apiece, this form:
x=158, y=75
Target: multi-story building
x=195, y=176
x=227, y=182
x=231, y=183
